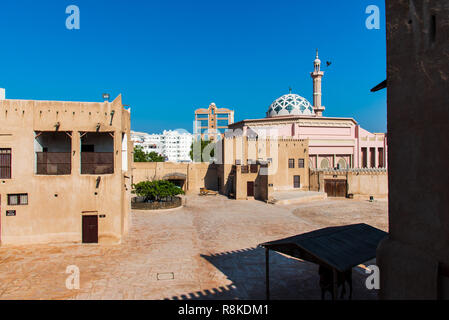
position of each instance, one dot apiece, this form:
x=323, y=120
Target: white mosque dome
x=290, y=105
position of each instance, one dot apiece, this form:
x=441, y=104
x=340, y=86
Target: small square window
x=18, y=199
x=5, y=163
x=291, y=163
x=300, y=163
x=23, y=199
x=13, y=199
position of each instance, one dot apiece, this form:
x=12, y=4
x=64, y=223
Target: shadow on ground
x=290, y=279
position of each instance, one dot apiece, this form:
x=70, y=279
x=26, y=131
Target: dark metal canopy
x=340, y=248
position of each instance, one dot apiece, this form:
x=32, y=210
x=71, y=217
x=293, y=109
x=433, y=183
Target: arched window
x=341, y=164
x=311, y=163
x=324, y=164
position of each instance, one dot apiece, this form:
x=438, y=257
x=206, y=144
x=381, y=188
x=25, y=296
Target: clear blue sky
x=168, y=58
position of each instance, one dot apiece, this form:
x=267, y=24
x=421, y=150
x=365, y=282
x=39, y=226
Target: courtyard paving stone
x=210, y=246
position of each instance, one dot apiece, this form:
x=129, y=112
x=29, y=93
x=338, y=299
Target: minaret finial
x=290, y=90
x=317, y=53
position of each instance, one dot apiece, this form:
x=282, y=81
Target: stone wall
x=414, y=259
x=361, y=183
x=228, y=179
x=260, y=183
x=170, y=204
x=195, y=175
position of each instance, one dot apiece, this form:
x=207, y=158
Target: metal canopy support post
x=267, y=272
x=335, y=285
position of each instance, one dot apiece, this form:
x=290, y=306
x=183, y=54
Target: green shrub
x=142, y=156
x=156, y=190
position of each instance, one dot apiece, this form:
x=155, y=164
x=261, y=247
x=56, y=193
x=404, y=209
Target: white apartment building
x=174, y=145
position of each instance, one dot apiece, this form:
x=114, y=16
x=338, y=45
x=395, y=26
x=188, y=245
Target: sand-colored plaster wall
x=56, y=203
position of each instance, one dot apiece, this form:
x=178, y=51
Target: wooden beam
x=112, y=117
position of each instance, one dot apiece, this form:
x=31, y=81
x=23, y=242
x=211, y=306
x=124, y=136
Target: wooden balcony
x=53, y=163
x=97, y=162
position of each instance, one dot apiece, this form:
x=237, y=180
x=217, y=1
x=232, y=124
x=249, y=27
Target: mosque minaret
x=317, y=74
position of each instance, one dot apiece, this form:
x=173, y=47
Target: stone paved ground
x=206, y=250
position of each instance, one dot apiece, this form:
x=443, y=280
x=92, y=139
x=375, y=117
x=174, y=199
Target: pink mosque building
x=334, y=142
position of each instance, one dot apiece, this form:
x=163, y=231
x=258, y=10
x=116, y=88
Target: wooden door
x=340, y=188
x=296, y=182
x=329, y=188
x=250, y=189
x=90, y=229
x=335, y=188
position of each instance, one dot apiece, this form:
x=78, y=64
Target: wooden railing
x=53, y=163
x=97, y=162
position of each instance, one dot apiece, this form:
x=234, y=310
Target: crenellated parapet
x=350, y=170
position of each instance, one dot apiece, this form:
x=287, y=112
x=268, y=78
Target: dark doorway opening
x=250, y=188
x=90, y=229
x=87, y=148
x=178, y=182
